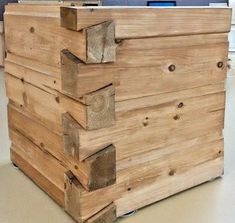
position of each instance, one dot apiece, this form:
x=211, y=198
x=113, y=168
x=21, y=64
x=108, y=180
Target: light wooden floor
x=21, y=201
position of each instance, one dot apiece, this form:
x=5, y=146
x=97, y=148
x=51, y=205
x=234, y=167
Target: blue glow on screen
x=162, y=3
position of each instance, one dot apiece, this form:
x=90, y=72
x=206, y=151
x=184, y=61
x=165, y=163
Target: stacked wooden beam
x=112, y=109
x=65, y=2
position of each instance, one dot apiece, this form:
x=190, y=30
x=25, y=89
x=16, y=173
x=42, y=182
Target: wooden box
x=111, y=109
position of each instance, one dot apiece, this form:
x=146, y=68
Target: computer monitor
x=161, y=3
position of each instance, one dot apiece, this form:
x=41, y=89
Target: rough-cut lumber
x=147, y=121
x=73, y=195
x=131, y=80
x=120, y=107
x=96, y=111
x=97, y=171
x=41, y=46
x=196, y=176
x=203, y=70
x=161, y=118
x=66, y=2
x=133, y=70
x=39, y=178
x=169, y=21
x=147, y=175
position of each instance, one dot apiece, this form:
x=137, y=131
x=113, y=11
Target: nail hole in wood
x=171, y=68
x=220, y=152
x=145, y=122
x=180, y=105
x=32, y=30
x=22, y=80
x=129, y=189
x=172, y=173
x=57, y=99
x=220, y=64
x=176, y=117
x=42, y=145
x=65, y=186
x=76, y=167
x=54, y=82
x=118, y=41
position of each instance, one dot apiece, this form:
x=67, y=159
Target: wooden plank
x=149, y=128
x=98, y=171
x=161, y=111
x=89, y=78
x=160, y=190
x=132, y=22
x=37, y=77
x=24, y=27
x=39, y=160
x=39, y=178
x=73, y=193
x=146, y=174
x=106, y=215
x=138, y=73
x=96, y=112
x=42, y=42
x=66, y=2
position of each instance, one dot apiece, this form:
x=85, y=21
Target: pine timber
x=144, y=122
x=197, y=156
x=96, y=111
x=112, y=109
x=169, y=20
x=40, y=46
x=90, y=173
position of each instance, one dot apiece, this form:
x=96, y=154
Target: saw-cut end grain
x=73, y=206
x=95, y=110
x=107, y=215
x=102, y=166
x=101, y=46
x=70, y=136
x=69, y=71
x=101, y=108
x=75, y=76
x=68, y=18
x=100, y=37
x=72, y=192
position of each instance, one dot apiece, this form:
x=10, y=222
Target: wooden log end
x=70, y=136
x=68, y=18
x=101, y=46
x=102, y=168
x=100, y=108
x=72, y=193
x=107, y=215
x=69, y=72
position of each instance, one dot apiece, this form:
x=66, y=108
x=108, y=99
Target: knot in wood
x=176, y=117
x=32, y=30
x=220, y=64
x=172, y=172
x=171, y=68
x=180, y=105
